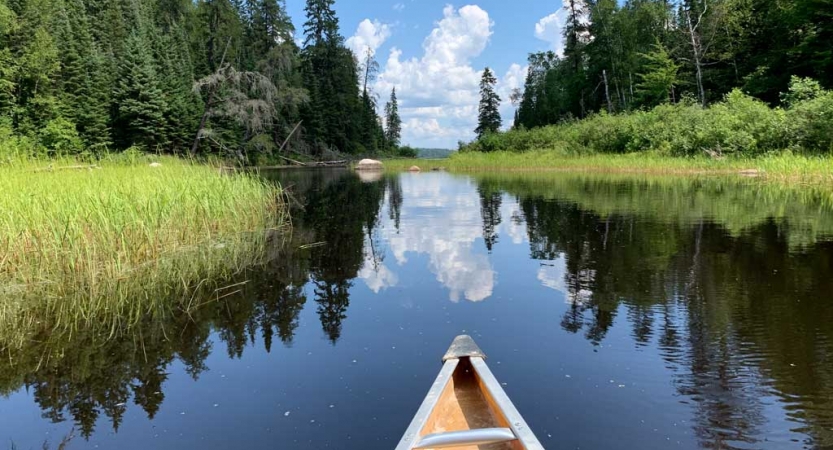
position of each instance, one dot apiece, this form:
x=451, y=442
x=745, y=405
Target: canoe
x=467, y=409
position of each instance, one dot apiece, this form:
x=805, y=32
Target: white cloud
x=377, y=277
x=450, y=239
x=551, y=29
x=369, y=35
x=513, y=223
x=442, y=79
x=399, y=7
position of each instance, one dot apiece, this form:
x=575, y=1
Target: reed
x=785, y=168
x=106, y=245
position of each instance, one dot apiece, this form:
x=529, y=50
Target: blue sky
x=434, y=51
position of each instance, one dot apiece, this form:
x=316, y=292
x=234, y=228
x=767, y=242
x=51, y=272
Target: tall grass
x=81, y=245
x=782, y=168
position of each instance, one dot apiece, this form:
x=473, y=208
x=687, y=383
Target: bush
x=407, y=152
x=59, y=137
x=811, y=123
x=738, y=125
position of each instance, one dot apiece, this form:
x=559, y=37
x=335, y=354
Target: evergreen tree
x=488, y=120
x=393, y=134
x=141, y=108
x=36, y=56
x=576, y=37
x=321, y=26
x=659, y=77
x=333, y=116
x=222, y=30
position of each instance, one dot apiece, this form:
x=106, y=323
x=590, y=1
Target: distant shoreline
x=781, y=168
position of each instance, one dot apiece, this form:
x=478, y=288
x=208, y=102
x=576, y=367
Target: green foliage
x=123, y=74
x=800, y=90
x=810, y=123
x=140, y=104
x=738, y=125
x=91, y=242
x=659, y=77
x=488, y=119
x=59, y=137
x=393, y=133
x=619, y=56
x=406, y=151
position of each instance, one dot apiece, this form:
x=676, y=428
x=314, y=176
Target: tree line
x=208, y=77
x=624, y=56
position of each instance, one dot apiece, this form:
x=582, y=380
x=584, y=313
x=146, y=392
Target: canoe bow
x=467, y=409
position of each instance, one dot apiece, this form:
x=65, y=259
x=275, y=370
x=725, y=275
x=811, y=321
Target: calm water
x=619, y=313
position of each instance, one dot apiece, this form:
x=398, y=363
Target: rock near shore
x=369, y=164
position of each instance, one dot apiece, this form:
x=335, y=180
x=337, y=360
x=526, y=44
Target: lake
x=618, y=312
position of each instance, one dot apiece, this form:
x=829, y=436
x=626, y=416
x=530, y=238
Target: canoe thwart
x=463, y=347
x=481, y=436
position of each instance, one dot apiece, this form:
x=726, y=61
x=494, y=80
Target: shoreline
x=785, y=168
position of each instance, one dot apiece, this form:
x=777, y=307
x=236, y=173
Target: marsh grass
x=104, y=246
x=786, y=168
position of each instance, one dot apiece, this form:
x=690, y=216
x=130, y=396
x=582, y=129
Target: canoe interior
x=465, y=404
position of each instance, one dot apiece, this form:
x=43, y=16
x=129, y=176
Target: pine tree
x=333, y=117
x=222, y=32
x=576, y=36
x=140, y=116
x=321, y=26
x=84, y=85
x=659, y=77
x=393, y=134
x=488, y=120
x=270, y=26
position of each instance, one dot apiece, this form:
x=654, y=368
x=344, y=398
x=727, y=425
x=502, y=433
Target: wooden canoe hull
x=467, y=409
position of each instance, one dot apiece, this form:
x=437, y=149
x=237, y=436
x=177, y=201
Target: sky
x=434, y=53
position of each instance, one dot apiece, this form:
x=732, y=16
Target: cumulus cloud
x=513, y=223
x=369, y=35
x=550, y=29
x=442, y=78
x=448, y=238
x=399, y=7
x=377, y=276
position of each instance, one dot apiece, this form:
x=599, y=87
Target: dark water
x=619, y=313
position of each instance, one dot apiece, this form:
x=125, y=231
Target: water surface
x=618, y=312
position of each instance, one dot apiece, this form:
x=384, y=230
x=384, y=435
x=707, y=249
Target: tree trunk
x=607, y=93
x=696, y=48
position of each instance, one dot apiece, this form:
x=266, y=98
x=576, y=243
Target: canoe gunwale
x=516, y=421
x=412, y=436
x=464, y=347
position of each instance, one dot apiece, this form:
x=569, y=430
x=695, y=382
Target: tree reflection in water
x=729, y=280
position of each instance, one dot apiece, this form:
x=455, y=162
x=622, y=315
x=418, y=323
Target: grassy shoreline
x=784, y=168
x=107, y=245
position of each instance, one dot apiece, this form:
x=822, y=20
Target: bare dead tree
x=697, y=49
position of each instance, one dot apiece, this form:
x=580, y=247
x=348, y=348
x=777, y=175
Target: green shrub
x=811, y=123
x=407, y=152
x=801, y=90
x=739, y=125
x=59, y=137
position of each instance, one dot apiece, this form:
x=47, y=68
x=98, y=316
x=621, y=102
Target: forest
x=688, y=78
x=222, y=78
x=641, y=53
